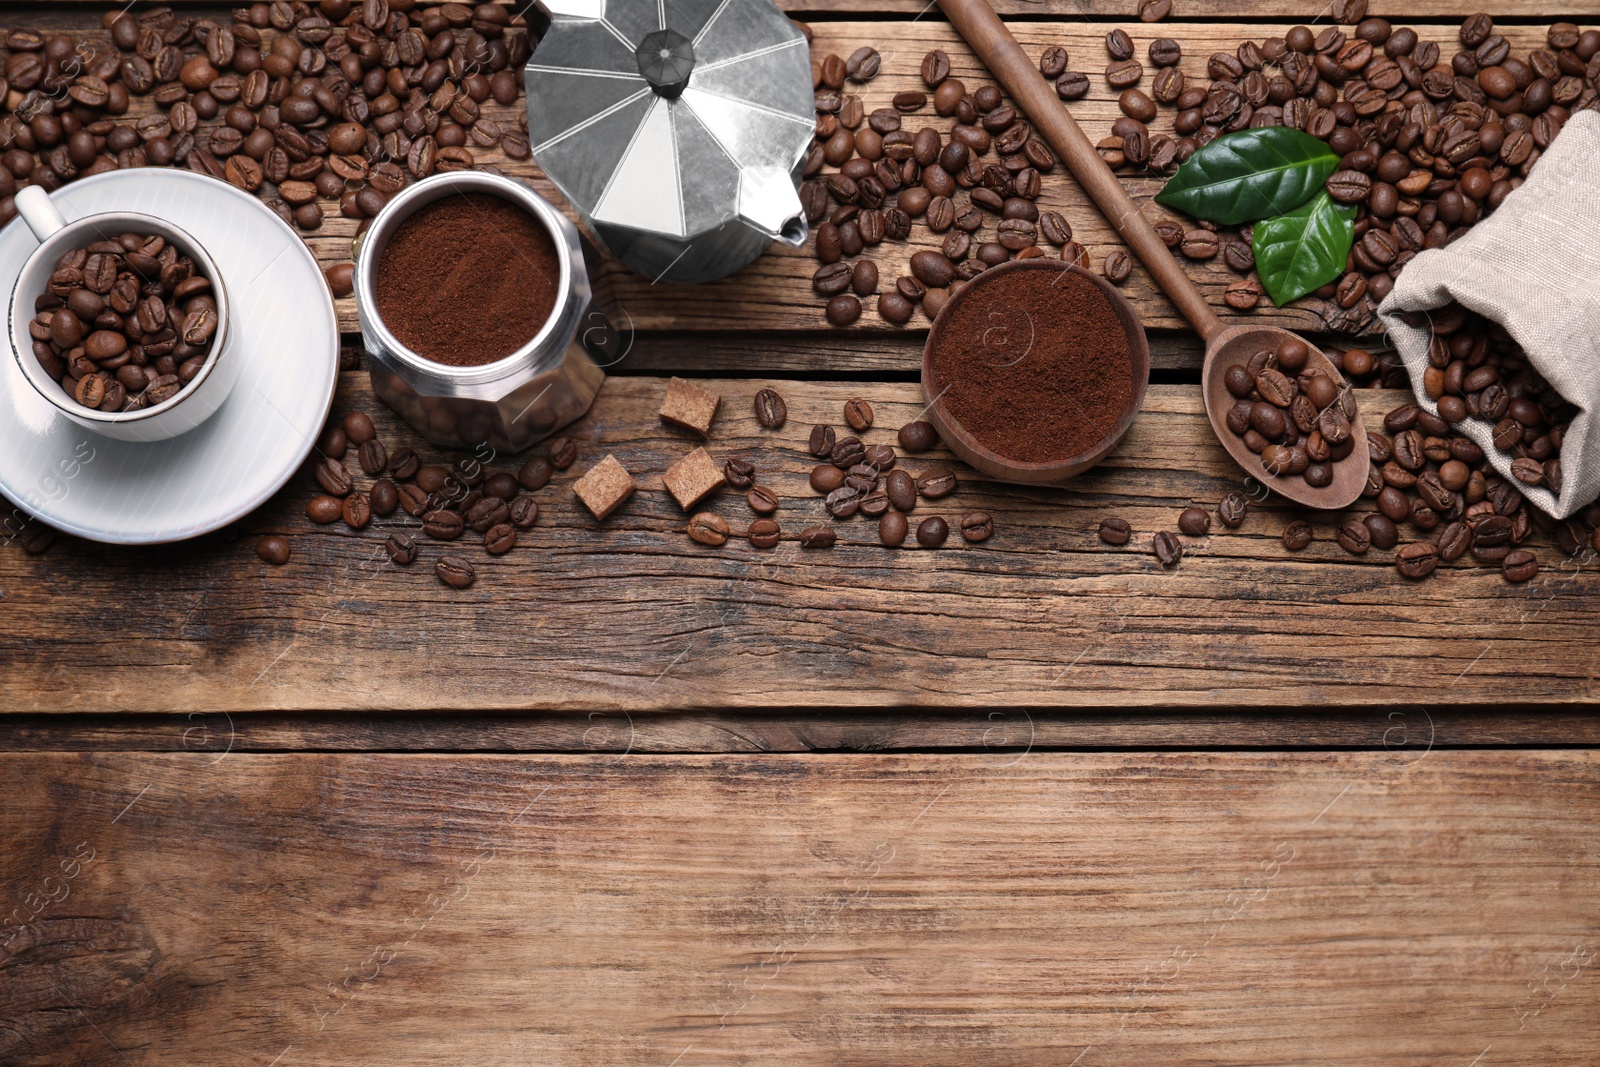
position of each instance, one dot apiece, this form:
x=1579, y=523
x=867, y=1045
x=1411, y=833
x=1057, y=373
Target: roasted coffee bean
x=1196, y=522
x=977, y=526
x=881, y=456
x=826, y=478
x=863, y=478
x=763, y=533
x=1115, y=531
x=323, y=509
x=935, y=69
x=932, y=532
x=771, y=411
x=847, y=452
x=1417, y=560
x=333, y=477
x=762, y=500
x=936, y=484
x=818, y=537
x=373, y=457
x=1354, y=537
x=563, y=452
x=455, y=571
x=524, y=512
x=918, y=436
x=384, y=498
x=273, y=549
x=501, y=485
x=874, y=504
x=357, y=511
x=415, y=500
x=402, y=548
x=901, y=490
x=534, y=475
x=1119, y=45
x=1519, y=565
x=487, y=512
x=1382, y=531
x=738, y=473
x=1118, y=266
x=843, y=502
x=443, y=524
x=1297, y=535
x=1232, y=510
x=892, y=529
x=708, y=529
x=1168, y=549
x=822, y=441
x=858, y=413
x=499, y=539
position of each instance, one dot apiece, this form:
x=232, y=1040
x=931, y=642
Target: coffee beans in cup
x=126, y=323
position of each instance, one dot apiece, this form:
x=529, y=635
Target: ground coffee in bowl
x=1035, y=370
x=468, y=279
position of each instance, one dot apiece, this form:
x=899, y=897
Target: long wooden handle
x=976, y=21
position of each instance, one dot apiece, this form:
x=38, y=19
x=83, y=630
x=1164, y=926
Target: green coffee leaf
x=1249, y=175
x=1305, y=249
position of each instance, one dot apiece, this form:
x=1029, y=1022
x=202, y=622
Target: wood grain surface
x=774, y=293
x=1410, y=907
x=631, y=614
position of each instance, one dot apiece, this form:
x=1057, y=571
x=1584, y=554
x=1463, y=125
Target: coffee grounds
x=1034, y=365
x=468, y=280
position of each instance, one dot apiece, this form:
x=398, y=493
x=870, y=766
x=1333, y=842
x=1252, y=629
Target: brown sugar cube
x=605, y=487
x=690, y=406
x=693, y=478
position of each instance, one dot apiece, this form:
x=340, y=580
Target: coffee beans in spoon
x=126, y=323
x=1291, y=414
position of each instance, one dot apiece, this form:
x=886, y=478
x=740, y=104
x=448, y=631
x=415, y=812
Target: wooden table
x=630, y=800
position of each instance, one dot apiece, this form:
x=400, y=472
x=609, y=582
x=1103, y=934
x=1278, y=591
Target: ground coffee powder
x=1034, y=364
x=468, y=280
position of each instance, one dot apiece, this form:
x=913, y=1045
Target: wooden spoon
x=1226, y=345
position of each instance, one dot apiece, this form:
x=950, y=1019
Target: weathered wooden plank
x=1124, y=12
x=987, y=731
x=631, y=614
x=775, y=293
x=1119, y=909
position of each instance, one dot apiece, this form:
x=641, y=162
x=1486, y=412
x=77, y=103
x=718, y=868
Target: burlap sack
x=1534, y=267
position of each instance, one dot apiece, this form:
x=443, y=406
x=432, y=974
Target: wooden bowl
x=1237, y=344
x=1000, y=467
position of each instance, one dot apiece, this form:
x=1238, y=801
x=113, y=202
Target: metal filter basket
x=677, y=130
x=518, y=400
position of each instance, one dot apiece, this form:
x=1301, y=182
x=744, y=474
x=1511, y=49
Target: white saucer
x=288, y=339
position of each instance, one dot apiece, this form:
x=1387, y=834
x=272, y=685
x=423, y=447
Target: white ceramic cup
x=196, y=402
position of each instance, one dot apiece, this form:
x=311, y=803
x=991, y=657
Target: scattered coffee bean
x=498, y=540
x=918, y=436
x=1232, y=510
x=825, y=478
x=563, y=452
x=822, y=441
x=1417, y=560
x=738, y=474
x=708, y=528
x=372, y=456
x=818, y=537
x=763, y=533
x=936, y=484
x=858, y=413
x=762, y=500
x=977, y=526
x=273, y=549
x=358, y=427
x=901, y=490
x=333, y=444
x=1115, y=531
x=357, y=511
x=892, y=529
x=932, y=532
x=843, y=502
x=324, y=508
x=1196, y=522
x=443, y=524
x=771, y=411
x=402, y=548
x=455, y=571
x=1519, y=565
x=1297, y=535
x=1168, y=549
x=534, y=475
x=1354, y=537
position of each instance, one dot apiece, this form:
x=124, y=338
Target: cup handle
x=39, y=212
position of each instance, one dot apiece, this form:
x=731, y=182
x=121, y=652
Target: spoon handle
x=976, y=21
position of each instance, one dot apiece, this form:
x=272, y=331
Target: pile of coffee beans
x=870, y=179
x=319, y=107
x=125, y=323
x=854, y=478
x=1475, y=370
x=443, y=503
x=1429, y=143
x=1296, y=418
